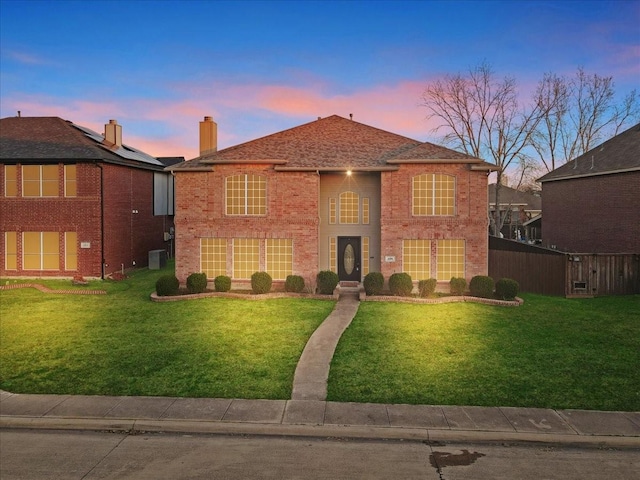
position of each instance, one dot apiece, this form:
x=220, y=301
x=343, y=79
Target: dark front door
x=349, y=259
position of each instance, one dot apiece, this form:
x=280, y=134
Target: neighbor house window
x=70, y=251
x=433, y=194
x=333, y=255
x=41, y=250
x=279, y=258
x=450, y=259
x=10, y=180
x=10, y=251
x=365, y=255
x=349, y=209
x=70, y=181
x=416, y=259
x=40, y=180
x=213, y=256
x=246, y=195
x=246, y=257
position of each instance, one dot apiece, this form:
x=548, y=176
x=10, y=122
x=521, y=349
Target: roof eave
x=590, y=174
x=389, y=168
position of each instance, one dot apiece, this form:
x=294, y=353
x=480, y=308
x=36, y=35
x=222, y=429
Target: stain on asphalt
x=440, y=460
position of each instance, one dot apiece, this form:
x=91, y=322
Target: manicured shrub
x=481, y=286
x=427, y=287
x=261, y=282
x=197, y=282
x=507, y=289
x=457, y=285
x=327, y=282
x=222, y=283
x=400, y=284
x=167, y=285
x=294, y=283
x=373, y=283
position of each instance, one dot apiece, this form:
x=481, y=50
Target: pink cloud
x=173, y=123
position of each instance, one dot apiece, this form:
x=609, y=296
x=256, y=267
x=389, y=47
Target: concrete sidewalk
x=319, y=419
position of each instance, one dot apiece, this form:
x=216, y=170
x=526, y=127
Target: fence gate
x=581, y=275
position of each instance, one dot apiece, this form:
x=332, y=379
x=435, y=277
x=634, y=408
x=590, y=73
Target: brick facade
x=292, y=206
x=469, y=223
x=597, y=214
x=128, y=237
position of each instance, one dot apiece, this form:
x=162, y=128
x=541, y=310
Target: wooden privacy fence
x=549, y=272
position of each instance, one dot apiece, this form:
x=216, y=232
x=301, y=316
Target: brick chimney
x=113, y=133
x=208, y=136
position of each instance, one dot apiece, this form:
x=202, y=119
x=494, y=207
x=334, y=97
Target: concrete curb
x=137, y=427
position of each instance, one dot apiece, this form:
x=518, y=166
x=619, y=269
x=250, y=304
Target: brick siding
x=127, y=239
x=599, y=214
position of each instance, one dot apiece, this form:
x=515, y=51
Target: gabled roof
x=332, y=143
x=513, y=197
x=42, y=139
x=618, y=154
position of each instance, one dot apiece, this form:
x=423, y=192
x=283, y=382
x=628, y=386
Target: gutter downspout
x=102, y=259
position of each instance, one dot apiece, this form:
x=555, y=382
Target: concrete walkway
x=312, y=372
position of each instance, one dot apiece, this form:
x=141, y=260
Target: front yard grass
x=551, y=352
x=124, y=344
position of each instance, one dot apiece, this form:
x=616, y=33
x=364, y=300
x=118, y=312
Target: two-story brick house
x=332, y=194
x=77, y=203
x=592, y=203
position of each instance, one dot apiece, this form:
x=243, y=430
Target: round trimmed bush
x=400, y=284
x=373, y=283
x=197, y=282
x=427, y=287
x=167, y=285
x=457, y=285
x=481, y=286
x=261, y=282
x=507, y=289
x=222, y=283
x=327, y=282
x=294, y=283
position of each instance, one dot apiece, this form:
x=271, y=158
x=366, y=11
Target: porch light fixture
x=348, y=173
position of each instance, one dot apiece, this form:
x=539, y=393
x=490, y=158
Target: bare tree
x=579, y=113
x=482, y=116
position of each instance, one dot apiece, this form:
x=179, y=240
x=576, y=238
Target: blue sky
x=257, y=67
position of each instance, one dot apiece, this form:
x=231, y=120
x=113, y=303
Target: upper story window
x=10, y=180
x=349, y=207
x=434, y=194
x=246, y=195
x=40, y=180
x=70, y=181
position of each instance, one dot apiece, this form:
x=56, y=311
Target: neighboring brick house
x=592, y=203
x=76, y=203
x=522, y=209
x=332, y=194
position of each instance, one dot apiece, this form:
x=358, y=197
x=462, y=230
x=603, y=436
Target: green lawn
x=125, y=344
x=551, y=352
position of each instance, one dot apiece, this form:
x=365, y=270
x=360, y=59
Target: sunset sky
x=258, y=67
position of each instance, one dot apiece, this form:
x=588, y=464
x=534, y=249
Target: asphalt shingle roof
x=331, y=142
x=38, y=139
x=618, y=154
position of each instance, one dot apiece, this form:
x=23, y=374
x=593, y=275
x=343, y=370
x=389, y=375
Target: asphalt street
x=88, y=455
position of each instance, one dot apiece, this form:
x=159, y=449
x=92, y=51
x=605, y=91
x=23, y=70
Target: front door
x=349, y=259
